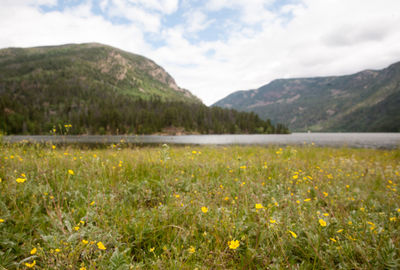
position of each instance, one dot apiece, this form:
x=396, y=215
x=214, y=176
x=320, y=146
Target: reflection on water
x=365, y=140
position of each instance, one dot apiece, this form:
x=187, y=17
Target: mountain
x=97, y=89
x=368, y=101
x=89, y=65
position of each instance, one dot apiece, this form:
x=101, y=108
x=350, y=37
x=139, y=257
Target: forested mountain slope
x=365, y=101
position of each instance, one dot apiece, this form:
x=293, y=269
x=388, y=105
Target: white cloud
x=350, y=35
x=27, y=26
x=103, y=5
x=7, y=3
x=215, y=5
x=81, y=11
x=147, y=20
x=170, y=6
x=145, y=13
x=196, y=21
x=163, y=6
x=251, y=11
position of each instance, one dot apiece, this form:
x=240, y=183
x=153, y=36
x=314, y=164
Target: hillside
x=88, y=65
x=365, y=101
x=99, y=89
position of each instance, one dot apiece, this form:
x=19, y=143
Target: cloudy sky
x=215, y=47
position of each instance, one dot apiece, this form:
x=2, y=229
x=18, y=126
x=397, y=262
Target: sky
x=216, y=47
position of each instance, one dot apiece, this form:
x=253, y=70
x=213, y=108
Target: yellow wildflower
x=101, y=246
x=192, y=250
x=307, y=200
x=71, y=172
x=152, y=249
x=1, y=220
x=322, y=223
x=234, y=244
x=259, y=206
x=76, y=228
x=85, y=242
x=33, y=251
x=272, y=221
x=92, y=203
x=57, y=250
x=30, y=265
x=293, y=234
x=20, y=180
x=393, y=219
x=204, y=209
x=333, y=239
x=82, y=268
x=339, y=231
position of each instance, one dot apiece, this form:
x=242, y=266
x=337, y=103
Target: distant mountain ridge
x=361, y=102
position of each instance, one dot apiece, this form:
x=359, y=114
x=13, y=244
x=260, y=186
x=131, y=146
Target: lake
x=358, y=140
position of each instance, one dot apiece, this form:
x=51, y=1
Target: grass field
x=199, y=208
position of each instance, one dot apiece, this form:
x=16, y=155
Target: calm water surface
x=361, y=140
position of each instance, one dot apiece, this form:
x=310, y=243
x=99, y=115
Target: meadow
x=192, y=207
